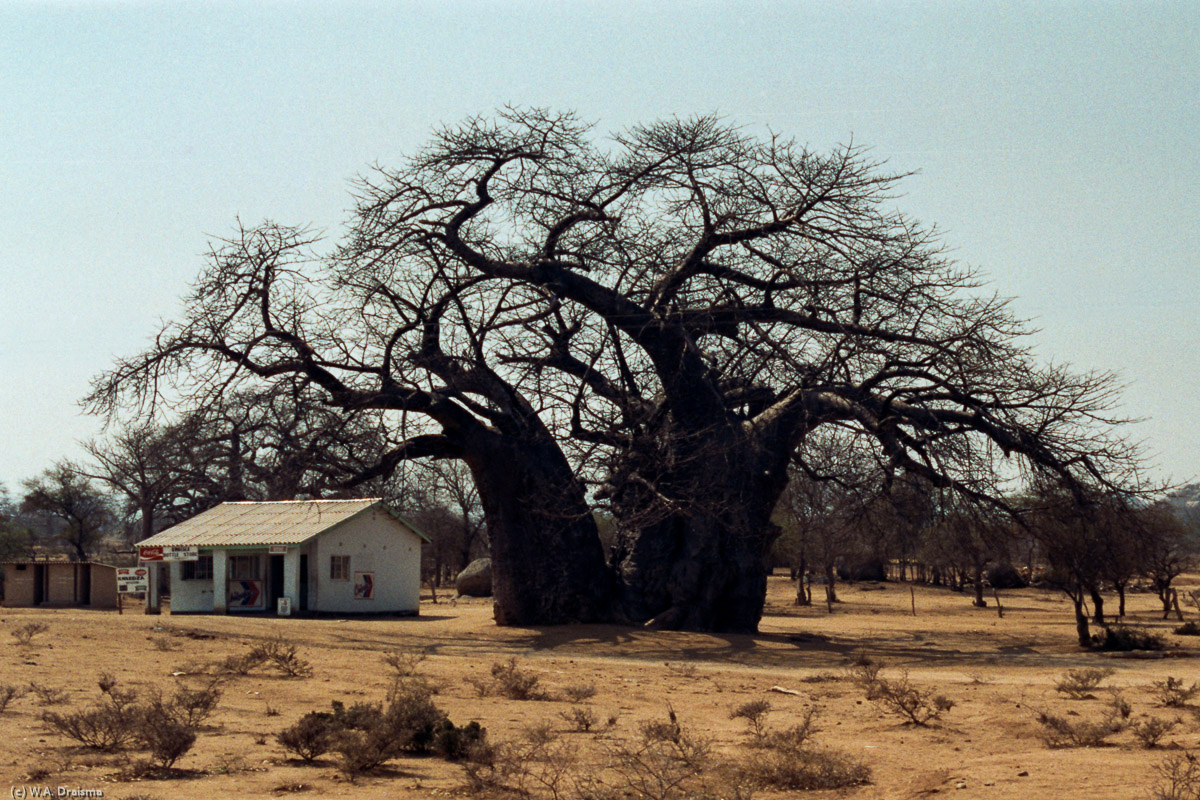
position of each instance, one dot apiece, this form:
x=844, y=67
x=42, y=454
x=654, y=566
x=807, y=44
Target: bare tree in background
x=84, y=513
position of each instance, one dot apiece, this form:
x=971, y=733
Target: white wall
x=189, y=595
x=376, y=542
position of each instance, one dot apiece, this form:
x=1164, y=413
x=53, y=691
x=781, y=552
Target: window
x=339, y=568
x=198, y=570
x=244, y=567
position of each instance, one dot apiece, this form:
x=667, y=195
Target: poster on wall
x=364, y=586
x=247, y=595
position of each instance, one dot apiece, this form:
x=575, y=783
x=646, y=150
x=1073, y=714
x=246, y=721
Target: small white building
x=325, y=556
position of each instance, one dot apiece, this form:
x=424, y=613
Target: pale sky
x=1057, y=147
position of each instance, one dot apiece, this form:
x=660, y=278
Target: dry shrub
x=581, y=718
x=1059, y=732
x=164, y=727
x=1172, y=692
x=1189, y=628
x=24, y=634
x=48, y=695
x=821, y=677
x=8, y=693
x=109, y=726
x=163, y=735
x=280, y=654
x=900, y=697
x=810, y=769
x=1120, y=638
x=1150, y=730
x=579, y=692
x=1178, y=778
x=515, y=683
x=1080, y=683
x=189, y=707
x=404, y=661
x=310, y=737
x=365, y=735
x=276, y=653
x=755, y=713
x=785, y=759
x=668, y=763
x=537, y=763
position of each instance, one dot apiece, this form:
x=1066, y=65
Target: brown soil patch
x=999, y=672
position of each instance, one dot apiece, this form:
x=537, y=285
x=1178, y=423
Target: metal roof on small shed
x=266, y=523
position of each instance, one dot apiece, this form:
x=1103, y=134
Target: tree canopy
x=658, y=322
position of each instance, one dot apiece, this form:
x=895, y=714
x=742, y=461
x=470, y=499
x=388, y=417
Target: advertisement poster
x=133, y=579
x=247, y=595
x=364, y=585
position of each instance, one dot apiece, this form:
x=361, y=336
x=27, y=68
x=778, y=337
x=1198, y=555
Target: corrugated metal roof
x=251, y=523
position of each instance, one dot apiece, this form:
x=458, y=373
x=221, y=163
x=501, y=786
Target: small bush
x=900, y=697
x=1189, y=628
x=280, y=654
x=580, y=692
x=1172, y=692
x=107, y=682
x=580, y=718
x=238, y=665
x=164, y=736
x=24, y=634
x=1120, y=638
x=1059, y=732
x=808, y=770
x=794, y=737
x=514, y=683
x=1151, y=730
x=454, y=743
x=405, y=662
x=1080, y=683
x=365, y=735
x=310, y=737
x=755, y=713
x=8, y=693
x=108, y=726
x=48, y=695
x=1178, y=778
x=191, y=707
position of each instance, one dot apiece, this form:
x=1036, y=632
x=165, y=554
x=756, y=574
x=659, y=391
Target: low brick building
x=59, y=583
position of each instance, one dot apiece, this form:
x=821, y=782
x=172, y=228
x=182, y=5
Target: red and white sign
x=150, y=554
x=277, y=549
x=133, y=579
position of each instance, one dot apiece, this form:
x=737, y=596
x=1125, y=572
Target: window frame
x=254, y=561
x=200, y=569
x=339, y=568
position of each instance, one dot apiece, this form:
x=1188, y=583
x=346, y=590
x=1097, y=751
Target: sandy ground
x=999, y=671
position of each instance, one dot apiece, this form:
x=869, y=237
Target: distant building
x=329, y=556
x=59, y=583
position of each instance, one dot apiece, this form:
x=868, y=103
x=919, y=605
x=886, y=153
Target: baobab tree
x=669, y=314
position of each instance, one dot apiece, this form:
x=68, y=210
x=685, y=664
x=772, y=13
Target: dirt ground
x=1000, y=672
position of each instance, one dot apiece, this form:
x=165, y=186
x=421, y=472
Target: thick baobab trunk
x=548, y=565
x=704, y=568
x=695, y=575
